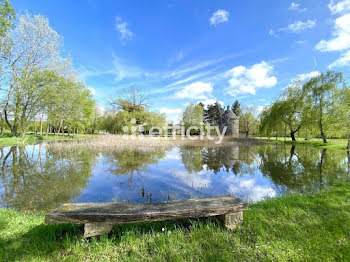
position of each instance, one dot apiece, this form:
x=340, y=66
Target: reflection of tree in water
x=192, y=158
x=306, y=169
x=226, y=158
x=302, y=169
x=35, y=179
x=131, y=161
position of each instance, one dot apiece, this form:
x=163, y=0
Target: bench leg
x=96, y=229
x=230, y=221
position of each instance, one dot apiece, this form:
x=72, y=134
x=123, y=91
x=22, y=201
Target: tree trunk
x=47, y=128
x=246, y=134
x=62, y=127
x=348, y=147
x=292, y=135
x=322, y=134
x=41, y=124
x=2, y=126
x=323, y=156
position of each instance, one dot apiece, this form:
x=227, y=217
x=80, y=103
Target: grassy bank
x=8, y=140
x=292, y=228
x=331, y=143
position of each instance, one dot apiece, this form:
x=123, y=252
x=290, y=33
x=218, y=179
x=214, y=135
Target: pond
x=35, y=178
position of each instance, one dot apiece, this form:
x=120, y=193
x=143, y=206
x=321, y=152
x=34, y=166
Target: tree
x=193, y=116
x=236, y=108
x=270, y=122
x=34, y=47
x=132, y=100
x=7, y=15
x=321, y=91
x=343, y=113
x=214, y=114
x=248, y=123
x=287, y=110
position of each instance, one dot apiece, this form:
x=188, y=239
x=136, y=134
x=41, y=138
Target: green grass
x=331, y=143
x=291, y=228
x=8, y=140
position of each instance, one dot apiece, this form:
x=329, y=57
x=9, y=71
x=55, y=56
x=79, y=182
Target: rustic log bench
x=99, y=218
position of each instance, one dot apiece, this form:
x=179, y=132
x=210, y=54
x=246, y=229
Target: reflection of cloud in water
x=249, y=189
x=173, y=155
x=198, y=180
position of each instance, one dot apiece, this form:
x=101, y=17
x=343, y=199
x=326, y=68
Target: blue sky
x=189, y=51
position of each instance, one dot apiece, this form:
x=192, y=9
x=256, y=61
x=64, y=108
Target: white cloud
x=272, y=32
x=100, y=109
x=220, y=16
x=169, y=111
x=121, y=70
x=210, y=101
x=299, y=26
x=248, y=188
x=172, y=114
x=341, y=33
x=246, y=80
x=196, y=90
x=92, y=91
x=122, y=27
x=198, y=180
x=344, y=60
x=338, y=7
x=305, y=76
x=296, y=7
x=259, y=109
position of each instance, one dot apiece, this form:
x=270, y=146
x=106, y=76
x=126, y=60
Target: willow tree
x=290, y=108
x=321, y=99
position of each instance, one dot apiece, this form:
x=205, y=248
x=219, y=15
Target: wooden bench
x=99, y=218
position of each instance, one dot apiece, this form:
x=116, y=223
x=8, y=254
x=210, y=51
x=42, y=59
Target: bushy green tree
x=7, y=15
x=193, y=116
x=248, y=123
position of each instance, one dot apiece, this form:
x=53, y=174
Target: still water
x=37, y=178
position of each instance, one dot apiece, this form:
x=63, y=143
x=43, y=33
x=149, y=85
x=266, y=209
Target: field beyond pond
x=291, y=228
x=317, y=142
x=8, y=140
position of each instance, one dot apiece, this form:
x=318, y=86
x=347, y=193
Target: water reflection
x=35, y=178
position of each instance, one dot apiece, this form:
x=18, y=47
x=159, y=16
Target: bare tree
x=132, y=99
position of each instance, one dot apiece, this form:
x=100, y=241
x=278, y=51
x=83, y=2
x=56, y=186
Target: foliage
x=214, y=114
x=288, y=110
x=320, y=100
x=236, y=108
x=38, y=81
x=248, y=123
x=7, y=15
x=316, y=108
x=193, y=116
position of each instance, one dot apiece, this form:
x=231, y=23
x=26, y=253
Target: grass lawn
x=291, y=228
x=331, y=143
x=8, y=140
